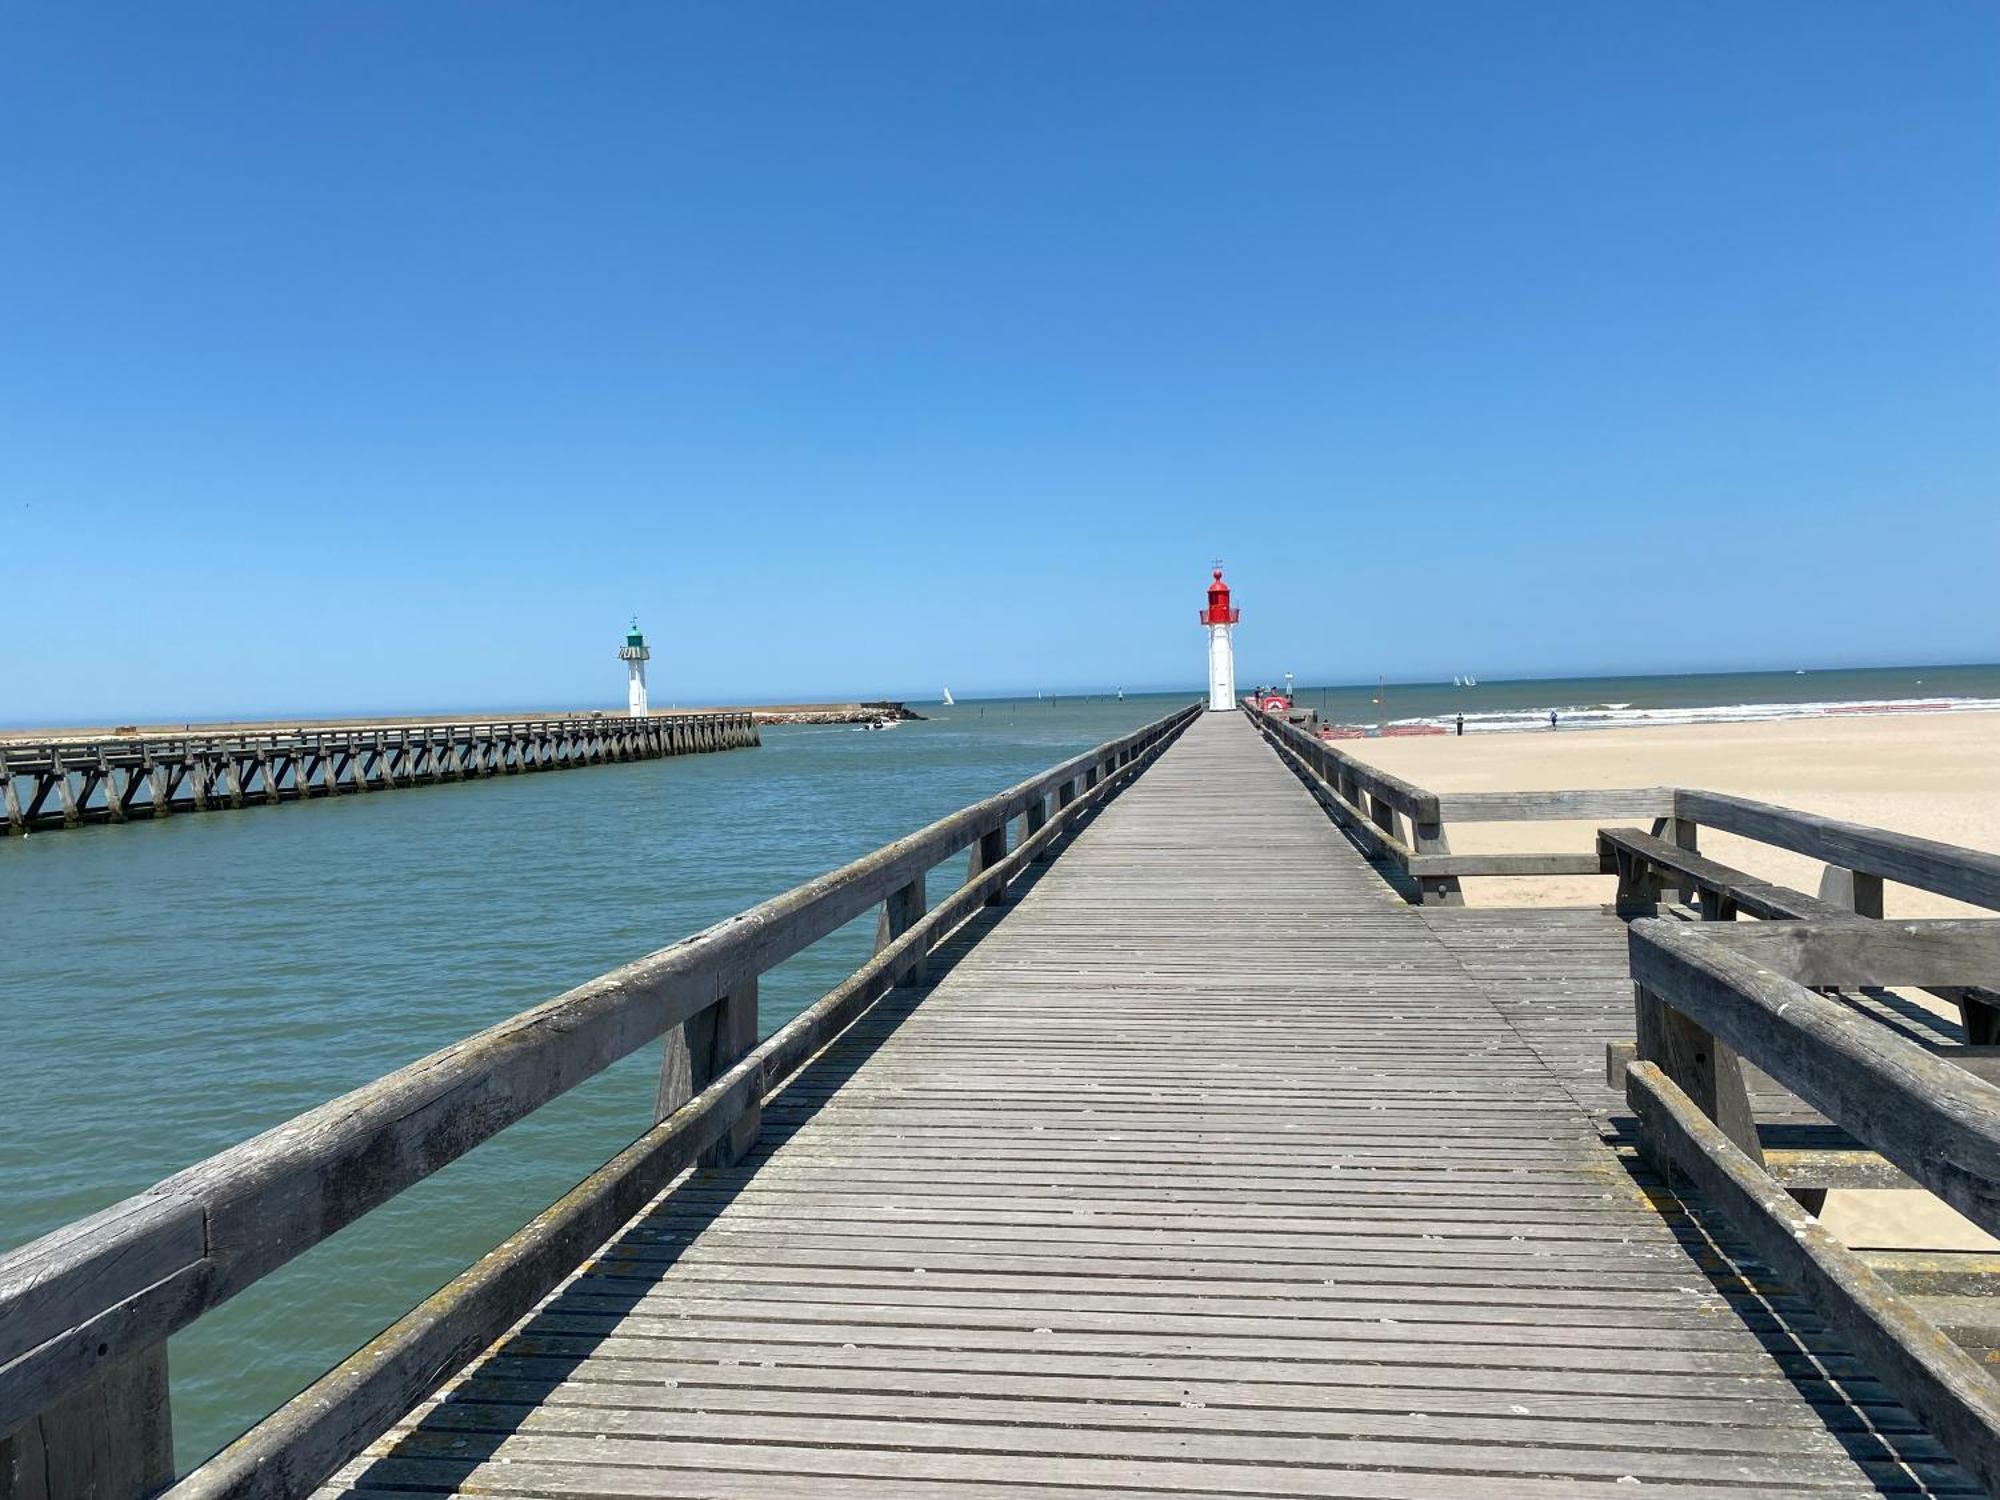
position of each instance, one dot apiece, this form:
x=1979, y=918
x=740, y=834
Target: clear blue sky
x=388, y=355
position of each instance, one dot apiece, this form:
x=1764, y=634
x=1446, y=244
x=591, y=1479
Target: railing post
x=1857, y=890
x=1638, y=890
x=114, y=801
x=1383, y=816
x=1427, y=837
x=1682, y=834
x=986, y=853
x=1706, y=1068
x=71, y=813
x=702, y=1048
x=1058, y=799
x=111, y=1439
x=1036, y=818
x=902, y=911
x=10, y=797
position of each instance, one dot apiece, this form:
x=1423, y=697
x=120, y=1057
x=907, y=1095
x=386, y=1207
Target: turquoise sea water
x=171, y=988
x=1609, y=702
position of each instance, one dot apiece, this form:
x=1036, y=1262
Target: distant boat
x=949, y=701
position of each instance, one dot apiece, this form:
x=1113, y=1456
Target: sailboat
x=949, y=701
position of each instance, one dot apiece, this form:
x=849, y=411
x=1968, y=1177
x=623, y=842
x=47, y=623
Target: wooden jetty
x=112, y=778
x=1181, y=1150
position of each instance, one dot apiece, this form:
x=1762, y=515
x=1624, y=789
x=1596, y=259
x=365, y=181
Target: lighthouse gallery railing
x=85, y=1311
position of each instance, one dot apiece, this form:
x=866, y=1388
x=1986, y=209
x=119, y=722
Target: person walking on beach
x=1552, y=718
x=1461, y=723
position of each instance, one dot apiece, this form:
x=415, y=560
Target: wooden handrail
x=1948, y=1389
x=1935, y=1120
x=1369, y=802
x=1969, y=875
x=293, y=1451
x=85, y=1297
x=1711, y=996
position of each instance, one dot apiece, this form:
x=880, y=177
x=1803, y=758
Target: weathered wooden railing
x=67, y=783
x=85, y=1312
x=1377, y=808
x=1859, y=861
x=1712, y=995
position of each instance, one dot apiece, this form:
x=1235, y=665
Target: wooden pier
x=67, y=782
x=1181, y=1150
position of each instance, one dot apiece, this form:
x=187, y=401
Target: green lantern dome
x=632, y=636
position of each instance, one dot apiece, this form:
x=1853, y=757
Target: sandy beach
x=1937, y=775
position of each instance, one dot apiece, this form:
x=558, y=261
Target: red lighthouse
x=1220, y=618
x=1218, y=611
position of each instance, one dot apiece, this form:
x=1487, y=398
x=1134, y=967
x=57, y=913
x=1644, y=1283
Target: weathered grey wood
x=1561, y=806
x=1858, y=891
x=734, y=1036
x=1652, y=858
x=299, y=1445
x=902, y=910
x=1428, y=842
x=292, y=1452
x=1845, y=954
x=1036, y=815
x=1724, y=892
x=1936, y=1121
x=988, y=851
x=1970, y=875
x=112, y=1439
x=1683, y=834
x=237, y=770
x=1383, y=816
x=65, y=794
x=1956, y=1398
x=1205, y=1168
x=1341, y=797
x=1704, y=1068
x=1453, y=865
x=129, y=1277
x=1330, y=763
x=114, y=796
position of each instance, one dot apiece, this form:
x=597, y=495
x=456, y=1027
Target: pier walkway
x=1194, y=1143
x=1208, y=1170
x=117, y=776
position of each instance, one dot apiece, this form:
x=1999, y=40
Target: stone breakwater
x=832, y=713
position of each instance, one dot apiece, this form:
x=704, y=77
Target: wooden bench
x=1646, y=864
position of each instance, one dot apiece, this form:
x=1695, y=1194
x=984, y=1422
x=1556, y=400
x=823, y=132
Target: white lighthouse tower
x=1221, y=621
x=635, y=656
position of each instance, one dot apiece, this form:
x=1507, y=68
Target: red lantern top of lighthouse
x=1218, y=611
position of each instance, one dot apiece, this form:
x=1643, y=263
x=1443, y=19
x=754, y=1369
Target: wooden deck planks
x=1212, y=1169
